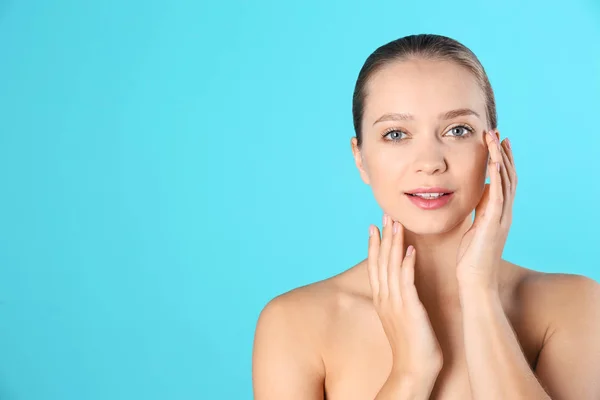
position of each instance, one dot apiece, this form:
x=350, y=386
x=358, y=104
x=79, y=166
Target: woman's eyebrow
x=408, y=117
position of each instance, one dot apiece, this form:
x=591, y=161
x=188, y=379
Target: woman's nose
x=430, y=160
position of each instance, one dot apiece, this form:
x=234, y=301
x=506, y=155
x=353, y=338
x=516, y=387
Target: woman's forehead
x=422, y=88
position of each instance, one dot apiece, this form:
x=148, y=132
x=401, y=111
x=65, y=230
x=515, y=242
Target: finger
x=512, y=172
x=506, y=184
x=395, y=262
x=482, y=205
x=509, y=152
x=509, y=189
x=496, y=199
x=384, y=254
x=408, y=289
x=506, y=168
x=372, y=260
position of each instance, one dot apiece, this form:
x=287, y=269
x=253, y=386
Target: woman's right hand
x=415, y=349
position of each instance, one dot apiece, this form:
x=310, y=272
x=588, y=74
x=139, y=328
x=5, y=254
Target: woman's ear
x=359, y=161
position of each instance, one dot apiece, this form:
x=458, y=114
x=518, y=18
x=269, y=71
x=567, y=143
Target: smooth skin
x=433, y=311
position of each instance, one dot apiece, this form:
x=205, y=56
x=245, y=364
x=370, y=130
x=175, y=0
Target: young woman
x=433, y=312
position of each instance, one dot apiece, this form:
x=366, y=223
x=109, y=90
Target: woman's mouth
x=428, y=199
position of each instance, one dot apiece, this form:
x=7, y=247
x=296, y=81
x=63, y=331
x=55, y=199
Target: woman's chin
x=437, y=225
x=428, y=230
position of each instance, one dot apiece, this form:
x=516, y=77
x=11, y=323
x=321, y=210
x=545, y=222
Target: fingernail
x=409, y=250
x=395, y=227
x=384, y=219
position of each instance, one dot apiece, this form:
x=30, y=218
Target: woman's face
x=433, y=136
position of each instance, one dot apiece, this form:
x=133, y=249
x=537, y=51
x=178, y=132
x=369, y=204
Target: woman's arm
x=496, y=364
x=568, y=366
x=402, y=387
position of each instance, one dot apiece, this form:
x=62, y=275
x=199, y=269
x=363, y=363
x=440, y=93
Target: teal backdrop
x=168, y=167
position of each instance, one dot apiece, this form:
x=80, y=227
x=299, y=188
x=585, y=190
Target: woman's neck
x=435, y=269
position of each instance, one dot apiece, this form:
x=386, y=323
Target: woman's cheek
x=387, y=185
x=473, y=158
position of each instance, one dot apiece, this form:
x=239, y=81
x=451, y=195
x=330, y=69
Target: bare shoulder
x=291, y=335
x=548, y=302
x=312, y=307
x=557, y=294
x=555, y=288
x=313, y=311
x=567, y=306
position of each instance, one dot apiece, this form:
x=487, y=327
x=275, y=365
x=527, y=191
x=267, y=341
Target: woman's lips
x=430, y=204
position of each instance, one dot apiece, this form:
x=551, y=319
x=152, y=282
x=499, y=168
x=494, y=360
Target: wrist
x=476, y=295
x=470, y=282
x=401, y=385
x=419, y=381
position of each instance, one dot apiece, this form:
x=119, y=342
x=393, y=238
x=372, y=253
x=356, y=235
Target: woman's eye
x=459, y=131
x=394, y=135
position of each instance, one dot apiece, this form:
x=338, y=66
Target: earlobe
x=358, y=160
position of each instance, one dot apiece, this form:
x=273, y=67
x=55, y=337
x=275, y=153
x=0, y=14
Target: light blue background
x=169, y=167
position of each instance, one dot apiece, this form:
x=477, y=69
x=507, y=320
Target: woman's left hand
x=481, y=248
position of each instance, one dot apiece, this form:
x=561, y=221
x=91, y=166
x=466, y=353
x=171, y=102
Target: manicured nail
x=409, y=250
x=384, y=219
x=395, y=227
